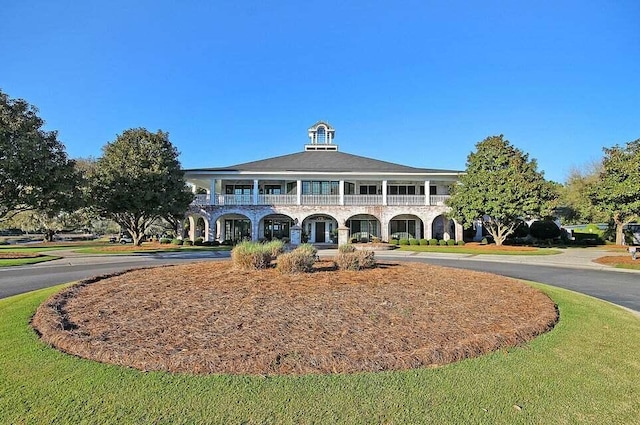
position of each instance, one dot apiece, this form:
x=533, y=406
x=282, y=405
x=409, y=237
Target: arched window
x=322, y=135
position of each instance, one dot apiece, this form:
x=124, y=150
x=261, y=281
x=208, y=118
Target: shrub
x=376, y=239
x=460, y=243
x=358, y=260
x=484, y=241
x=442, y=242
x=300, y=260
x=165, y=241
x=275, y=247
x=433, y=241
x=176, y=241
x=424, y=242
x=346, y=248
x=414, y=242
x=215, y=243
x=404, y=241
x=394, y=242
x=198, y=242
x=544, y=229
x=251, y=256
x=187, y=242
x=451, y=242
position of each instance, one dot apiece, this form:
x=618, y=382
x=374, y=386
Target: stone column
x=295, y=235
x=343, y=234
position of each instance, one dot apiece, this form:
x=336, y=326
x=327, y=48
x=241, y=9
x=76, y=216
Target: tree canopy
x=139, y=179
x=576, y=205
x=35, y=173
x=617, y=191
x=501, y=187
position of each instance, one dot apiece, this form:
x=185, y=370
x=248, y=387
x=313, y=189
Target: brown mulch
x=210, y=318
x=18, y=255
x=614, y=260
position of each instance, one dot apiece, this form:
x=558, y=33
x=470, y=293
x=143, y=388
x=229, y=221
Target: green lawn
x=161, y=248
x=8, y=262
x=478, y=250
x=587, y=370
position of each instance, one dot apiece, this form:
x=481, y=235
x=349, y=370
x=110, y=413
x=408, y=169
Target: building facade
x=318, y=191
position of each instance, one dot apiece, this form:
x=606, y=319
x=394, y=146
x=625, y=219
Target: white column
x=255, y=192
x=341, y=192
x=299, y=192
x=384, y=192
x=212, y=191
x=194, y=189
x=427, y=188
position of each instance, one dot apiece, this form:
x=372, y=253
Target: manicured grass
x=586, y=370
x=129, y=249
x=8, y=262
x=479, y=250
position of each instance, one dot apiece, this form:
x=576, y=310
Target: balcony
x=349, y=200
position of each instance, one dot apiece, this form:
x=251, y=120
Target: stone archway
x=406, y=226
x=364, y=228
x=320, y=228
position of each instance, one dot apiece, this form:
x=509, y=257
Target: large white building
x=320, y=189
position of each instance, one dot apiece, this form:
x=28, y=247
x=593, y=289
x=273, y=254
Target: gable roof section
x=320, y=161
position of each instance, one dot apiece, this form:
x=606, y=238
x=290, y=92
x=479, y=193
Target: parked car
x=124, y=239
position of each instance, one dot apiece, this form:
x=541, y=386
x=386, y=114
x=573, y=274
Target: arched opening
x=275, y=226
x=406, y=226
x=320, y=228
x=443, y=228
x=363, y=228
x=233, y=228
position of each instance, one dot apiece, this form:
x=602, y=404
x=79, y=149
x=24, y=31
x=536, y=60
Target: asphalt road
x=616, y=287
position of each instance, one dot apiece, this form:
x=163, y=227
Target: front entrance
x=320, y=228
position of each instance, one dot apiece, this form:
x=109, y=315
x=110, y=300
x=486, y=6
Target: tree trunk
x=619, y=233
x=48, y=235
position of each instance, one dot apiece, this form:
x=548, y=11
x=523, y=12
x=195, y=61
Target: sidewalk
x=578, y=258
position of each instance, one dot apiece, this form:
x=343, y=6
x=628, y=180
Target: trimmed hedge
x=442, y=242
x=451, y=242
x=433, y=241
x=177, y=241
x=404, y=242
x=424, y=242
x=414, y=242
x=460, y=243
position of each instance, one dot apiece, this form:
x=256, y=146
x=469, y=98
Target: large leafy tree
x=575, y=203
x=138, y=180
x=501, y=187
x=35, y=173
x=617, y=191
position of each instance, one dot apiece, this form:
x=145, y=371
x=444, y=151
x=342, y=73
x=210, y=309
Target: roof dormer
x=321, y=136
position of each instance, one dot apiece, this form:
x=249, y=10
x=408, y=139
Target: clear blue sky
x=413, y=82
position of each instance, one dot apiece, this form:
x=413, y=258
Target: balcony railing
x=352, y=200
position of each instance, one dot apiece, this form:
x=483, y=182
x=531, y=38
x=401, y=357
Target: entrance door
x=320, y=232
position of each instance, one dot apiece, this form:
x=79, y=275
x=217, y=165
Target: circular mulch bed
x=211, y=318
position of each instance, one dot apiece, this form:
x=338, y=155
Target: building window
x=320, y=188
x=322, y=135
x=238, y=189
x=273, y=189
x=368, y=190
x=400, y=189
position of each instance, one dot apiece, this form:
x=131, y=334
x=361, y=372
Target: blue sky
x=413, y=82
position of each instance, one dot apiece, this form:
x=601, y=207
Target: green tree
x=35, y=173
x=575, y=203
x=138, y=179
x=617, y=191
x=500, y=188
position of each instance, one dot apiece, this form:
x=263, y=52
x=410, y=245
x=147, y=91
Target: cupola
x=321, y=136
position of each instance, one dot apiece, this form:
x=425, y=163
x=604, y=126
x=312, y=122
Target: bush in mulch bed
x=252, y=255
x=212, y=318
x=300, y=260
x=356, y=260
x=18, y=255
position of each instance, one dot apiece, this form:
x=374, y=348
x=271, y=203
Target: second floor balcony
x=355, y=200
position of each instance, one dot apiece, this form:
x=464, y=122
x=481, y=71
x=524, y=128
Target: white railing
x=438, y=199
x=320, y=199
x=363, y=199
x=356, y=200
x=201, y=200
x=277, y=199
x=406, y=199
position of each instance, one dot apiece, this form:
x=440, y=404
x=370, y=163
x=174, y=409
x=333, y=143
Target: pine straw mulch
x=616, y=260
x=18, y=255
x=210, y=318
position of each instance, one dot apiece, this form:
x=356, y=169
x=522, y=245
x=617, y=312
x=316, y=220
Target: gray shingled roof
x=323, y=161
